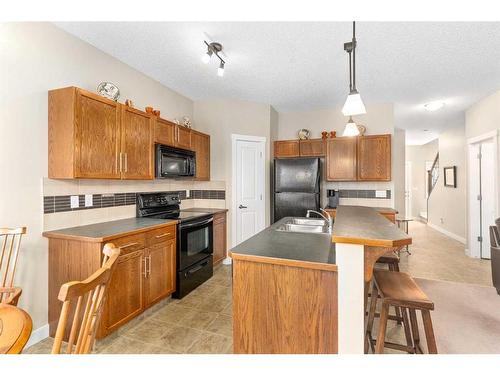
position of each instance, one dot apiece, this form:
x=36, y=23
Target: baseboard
x=38, y=335
x=447, y=233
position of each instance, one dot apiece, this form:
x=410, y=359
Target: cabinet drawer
x=160, y=235
x=127, y=244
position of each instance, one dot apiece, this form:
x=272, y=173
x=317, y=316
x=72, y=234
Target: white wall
x=418, y=156
x=220, y=118
x=447, y=205
x=379, y=119
x=34, y=58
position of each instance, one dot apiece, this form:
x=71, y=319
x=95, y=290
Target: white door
x=249, y=198
x=482, y=195
x=408, y=195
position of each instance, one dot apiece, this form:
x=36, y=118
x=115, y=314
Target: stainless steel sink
x=306, y=221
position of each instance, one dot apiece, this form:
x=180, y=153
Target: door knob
x=241, y=206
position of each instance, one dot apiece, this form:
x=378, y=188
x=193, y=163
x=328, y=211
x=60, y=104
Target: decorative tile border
x=370, y=194
x=61, y=203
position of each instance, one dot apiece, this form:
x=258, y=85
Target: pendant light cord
x=353, y=88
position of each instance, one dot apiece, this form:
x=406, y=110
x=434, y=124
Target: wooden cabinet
x=93, y=137
x=341, y=160
x=200, y=143
x=286, y=149
x=220, y=248
x=144, y=275
x=160, y=272
x=137, y=144
x=312, y=147
x=374, y=157
x=182, y=137
x=165, y=132
x=125, y=298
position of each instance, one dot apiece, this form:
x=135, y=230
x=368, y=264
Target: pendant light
x=354, y=104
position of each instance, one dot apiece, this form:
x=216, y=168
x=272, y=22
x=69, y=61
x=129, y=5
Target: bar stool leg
x=379, y=348
x=414, y=330
x=406, y=326
x=371, y=318
x=395, y=268
x=429, y=332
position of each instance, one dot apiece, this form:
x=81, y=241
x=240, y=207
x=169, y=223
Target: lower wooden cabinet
x=159, y=274
x=220, y=248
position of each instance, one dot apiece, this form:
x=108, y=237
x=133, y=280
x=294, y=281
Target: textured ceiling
x=302, y=66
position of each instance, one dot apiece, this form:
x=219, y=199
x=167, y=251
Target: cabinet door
x=160, y=272
x=125, y=298
x=341, y=159
x=165, y=132
x=200, y=143
x=182, y=137
x=219, y=237
x=286, y=149
x=374, y=157
x=137, y=145
x=312, y=147
x=97, y=137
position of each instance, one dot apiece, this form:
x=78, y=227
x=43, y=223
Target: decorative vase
x=324, y=135
x=333, y=134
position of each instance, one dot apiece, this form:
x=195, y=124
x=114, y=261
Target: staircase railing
x=433, y=176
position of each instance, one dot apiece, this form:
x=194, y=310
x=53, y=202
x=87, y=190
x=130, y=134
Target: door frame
x=408, y=194
x=248, y=138
x=471, y=141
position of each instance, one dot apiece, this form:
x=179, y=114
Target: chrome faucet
x=328, y=218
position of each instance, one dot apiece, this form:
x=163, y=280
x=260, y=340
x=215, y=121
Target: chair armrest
x=10, y=295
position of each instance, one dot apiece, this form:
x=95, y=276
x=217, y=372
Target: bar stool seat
x=399, y=290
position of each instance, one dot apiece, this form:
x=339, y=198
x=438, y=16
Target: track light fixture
x=214, y=48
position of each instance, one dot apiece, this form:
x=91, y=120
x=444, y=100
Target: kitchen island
x=305, y=292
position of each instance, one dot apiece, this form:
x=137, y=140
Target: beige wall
x=418, y=156
x=221, y=118
x=379, y=119
x=34, y=58
x=447, y=205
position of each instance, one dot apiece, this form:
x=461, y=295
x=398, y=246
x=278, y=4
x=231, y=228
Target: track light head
x=220, y=70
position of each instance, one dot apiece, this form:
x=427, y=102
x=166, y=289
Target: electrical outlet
x=89, y=202
x=187, y=193
x=74, y=201
x=381, y=193
x=441, y=220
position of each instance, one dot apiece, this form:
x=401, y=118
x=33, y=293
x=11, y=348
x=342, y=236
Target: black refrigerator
x=296, y=187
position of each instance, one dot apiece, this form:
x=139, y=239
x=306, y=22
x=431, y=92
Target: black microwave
x=174, y=162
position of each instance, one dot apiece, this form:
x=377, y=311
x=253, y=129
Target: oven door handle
x=194, y=270
x=196, y=224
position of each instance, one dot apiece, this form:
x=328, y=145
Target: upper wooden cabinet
x=200, y=143
x=182, y=137
x=312, y=147
x=137, y=144
x=374, y=158
x=165, y=132
x=286, y=149
x=93, y=137
x=341, y=160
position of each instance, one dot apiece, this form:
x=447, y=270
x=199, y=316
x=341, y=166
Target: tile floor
x=202, y=321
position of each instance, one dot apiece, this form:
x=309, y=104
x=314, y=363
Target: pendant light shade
x=351, y=129
x=353, y=105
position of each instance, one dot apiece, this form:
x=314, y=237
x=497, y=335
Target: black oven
x=195, y=241
x=174, y=162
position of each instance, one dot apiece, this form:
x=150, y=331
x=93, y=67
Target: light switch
x=88, y=200
x=187, y=193
x=74, y=202
x=380, y=194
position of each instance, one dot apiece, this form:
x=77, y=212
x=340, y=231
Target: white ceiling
x=297, y=66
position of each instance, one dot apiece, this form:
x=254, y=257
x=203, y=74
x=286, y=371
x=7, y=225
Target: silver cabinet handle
x=241, y=206
x=145, y=272
x=149, y=265
x=126, y=162
x=120, y=161
x=129, y=245
x=163, y=235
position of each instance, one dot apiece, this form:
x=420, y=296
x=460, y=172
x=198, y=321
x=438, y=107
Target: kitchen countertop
x=387, y=210
x=365, y=226
x=272, y=246
x=109, y=230
x=207, y=210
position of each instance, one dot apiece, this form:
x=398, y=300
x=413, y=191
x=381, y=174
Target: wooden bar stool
x=398, y=289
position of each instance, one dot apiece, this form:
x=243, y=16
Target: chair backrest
x=10, y=243
x=497, y=223
x=88, y=294
x=494, y=236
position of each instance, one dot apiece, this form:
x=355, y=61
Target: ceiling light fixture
x=351, y=129
x=214, y=48
x=353, y=105
x=434, y=106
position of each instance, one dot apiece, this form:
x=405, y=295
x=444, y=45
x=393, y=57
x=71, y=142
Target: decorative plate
x=108, y=90
x=362, y=129
x=304, y=134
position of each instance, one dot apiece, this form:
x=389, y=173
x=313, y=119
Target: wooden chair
x=10, y=242
x=89, y=293
x=15, y=329
x=398, y=289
